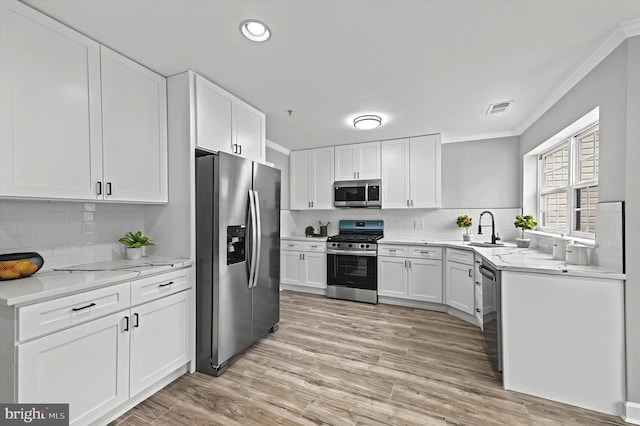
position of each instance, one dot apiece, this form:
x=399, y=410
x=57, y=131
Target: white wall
x=632, y=233
x=481, y=173
x=281, y=161
x=614, y=86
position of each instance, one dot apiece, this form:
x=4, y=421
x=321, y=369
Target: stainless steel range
x=352, y=264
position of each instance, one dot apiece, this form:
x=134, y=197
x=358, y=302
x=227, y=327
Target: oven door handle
x=353, y=253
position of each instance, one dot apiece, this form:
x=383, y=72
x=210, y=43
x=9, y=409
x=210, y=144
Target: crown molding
x=278, y=147
x=479, y=137
x=621, y=33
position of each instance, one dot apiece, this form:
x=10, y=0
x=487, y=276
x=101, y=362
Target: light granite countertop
x=304, y=238
x=72, y=279
x=511, y=258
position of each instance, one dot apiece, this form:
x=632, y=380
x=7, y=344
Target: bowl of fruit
x=19, y=265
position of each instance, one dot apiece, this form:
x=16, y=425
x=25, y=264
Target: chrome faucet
x=494, y=238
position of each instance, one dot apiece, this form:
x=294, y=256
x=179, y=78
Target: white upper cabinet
x=77, y=120
x=50, y=112
x=250, y=132
x=134, y=128
x=214, y=116
x=226, y=123
x=411, y=173
x=358, y=161
x=311, y=179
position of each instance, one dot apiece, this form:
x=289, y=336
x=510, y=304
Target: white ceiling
x=430, y=66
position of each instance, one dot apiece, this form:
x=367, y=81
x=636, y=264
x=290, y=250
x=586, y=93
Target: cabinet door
x=322, y=162
x=299, y=179
x=250, y=132
x=315, y=269
x=425, y=171
x=425, y=280
x=395, y=174
x=459, y=287
x=86, y=366
x=50, y=110
x=159, y=339
x=291, y=268
x=368, y=160
x=345, y=157
x=214, y=116
x=392, y=277
x=134, y=125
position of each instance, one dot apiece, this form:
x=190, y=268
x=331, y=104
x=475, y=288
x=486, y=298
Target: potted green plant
x=134, y=244
x=464, y=221
x=524, y=223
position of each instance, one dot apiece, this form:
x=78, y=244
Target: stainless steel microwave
x=357, y=193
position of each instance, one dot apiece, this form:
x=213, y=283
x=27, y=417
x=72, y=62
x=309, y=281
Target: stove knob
x=361, y=246
x=367, y=245
x=333, y=245
x=350, y=245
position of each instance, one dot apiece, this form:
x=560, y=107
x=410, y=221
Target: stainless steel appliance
x=357, y=193
x=492, y=315
x=237, y=257
x=352, y=264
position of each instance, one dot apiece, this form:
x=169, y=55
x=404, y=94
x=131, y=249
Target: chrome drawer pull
x=166, y=284
x=84, y=307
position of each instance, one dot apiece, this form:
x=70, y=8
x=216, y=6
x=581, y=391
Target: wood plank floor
x=344, y=363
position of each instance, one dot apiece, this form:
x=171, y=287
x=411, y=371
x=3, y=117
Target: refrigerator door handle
x=252, y=219
x=258, y=247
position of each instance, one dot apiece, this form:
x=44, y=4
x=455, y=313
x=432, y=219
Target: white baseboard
x=631, y=413
x=303, y=289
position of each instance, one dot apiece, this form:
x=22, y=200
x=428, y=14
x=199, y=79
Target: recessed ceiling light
x=255, y=30
x=366, y=122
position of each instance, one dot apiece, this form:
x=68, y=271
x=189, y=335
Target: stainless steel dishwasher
x=492, y=312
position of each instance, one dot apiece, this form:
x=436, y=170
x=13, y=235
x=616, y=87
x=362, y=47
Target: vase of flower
x=464, y=221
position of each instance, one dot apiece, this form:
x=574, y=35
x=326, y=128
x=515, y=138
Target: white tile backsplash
x=66, y=232
x=609, y=250
x=428, y=224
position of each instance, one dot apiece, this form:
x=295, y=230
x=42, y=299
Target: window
x=568, y=185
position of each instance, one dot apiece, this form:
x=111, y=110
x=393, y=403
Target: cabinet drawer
x=460, y=256
x=319, y=247
x=159, y=286
x=393, y=250
x=47, y=317
x=426, y=252
x=291, y=245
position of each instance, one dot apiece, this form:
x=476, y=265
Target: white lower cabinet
x=86, y=366
x=409, y=272
x=303, y=264
x=102, y=359
x=159, y=340
x=459, y=280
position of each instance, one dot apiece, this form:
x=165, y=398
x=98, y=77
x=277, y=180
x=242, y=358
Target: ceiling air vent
x=499, y=107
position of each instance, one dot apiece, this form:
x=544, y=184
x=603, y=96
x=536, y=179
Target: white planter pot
x=134, y=253
x=466, y=237
x=522, y=242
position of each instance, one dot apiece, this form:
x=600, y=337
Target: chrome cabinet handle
x=411, y=203
x=137, y=320
x=126, y=320
x=108, y=188
x=99, y=188
x=407, y=203
x=165, y=284
x=470, y=273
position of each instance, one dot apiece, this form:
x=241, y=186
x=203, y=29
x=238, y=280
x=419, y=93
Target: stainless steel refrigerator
x=237, y=257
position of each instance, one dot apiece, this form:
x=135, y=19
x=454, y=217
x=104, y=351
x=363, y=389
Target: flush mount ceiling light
x=255, y=30
x=366, y=122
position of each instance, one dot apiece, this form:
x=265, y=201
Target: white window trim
x=571, y=187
